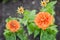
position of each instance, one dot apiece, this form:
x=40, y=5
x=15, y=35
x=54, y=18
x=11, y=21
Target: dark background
x=9, y=9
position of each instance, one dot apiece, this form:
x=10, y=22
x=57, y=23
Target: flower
x=46, y=1
x=13, y=25
x=43, y=20
x=43, y=3
x=20, y=10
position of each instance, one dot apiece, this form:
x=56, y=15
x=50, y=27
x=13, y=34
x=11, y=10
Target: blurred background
x=9, y=7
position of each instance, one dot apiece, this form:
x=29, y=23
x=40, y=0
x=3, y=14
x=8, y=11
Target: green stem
x=41, y=33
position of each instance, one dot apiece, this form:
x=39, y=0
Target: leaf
x=43, y=9
x=26, y=17
x=46, y=36
x=51, y=11
x=49, y=8
x=32, y=15
x=26, y=12
x=8, y=19
x=36, y=32
x=49, y=33
x=52, y=29
x=22, y=35
x=9, y=36
x=29, y=15
x=31, y=28
x=51, y=4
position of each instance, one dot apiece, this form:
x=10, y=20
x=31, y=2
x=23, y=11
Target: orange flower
x=13, y=25
x=43, y=20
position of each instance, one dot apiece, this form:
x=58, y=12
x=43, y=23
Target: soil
x=9, y=9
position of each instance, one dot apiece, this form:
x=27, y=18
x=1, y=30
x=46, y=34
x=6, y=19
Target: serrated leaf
x=51, y=4
x=29, y=15
x=46, y=36
x=8, y=19
x=22, y=35
x=9, y=36
x=43, y=9
x=26, y=12
x=51, y=11
x=49, y=8
x=33, y=12
x=31, y=28
x=52, y=29
x=23, y=21
x=32, y=15
x=26, y=17
x=36, y=32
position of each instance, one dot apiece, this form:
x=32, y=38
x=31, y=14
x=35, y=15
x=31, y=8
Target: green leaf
x=49, y=8
x=26, y=12
x=46, y=36
x=51, y=4
x=29, y=15
x=8, y=19
x=36, y=32
x=52, y=29
x=43, y=9
x=49, y=33
x=31, y=28
x=22, y=35
x=26, y=17
x=9, y=36
x=32, y=15
x=51, y=11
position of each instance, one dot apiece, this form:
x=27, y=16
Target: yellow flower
x=43, y=3
x=46, y=1
x=20, y=10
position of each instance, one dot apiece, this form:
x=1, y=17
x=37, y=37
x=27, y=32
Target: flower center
x=13, y=25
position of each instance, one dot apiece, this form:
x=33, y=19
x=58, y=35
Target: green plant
x=9, y=34
x=41, y=23
x=28, y=20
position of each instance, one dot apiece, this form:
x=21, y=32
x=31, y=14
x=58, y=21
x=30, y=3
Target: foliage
x=32, y=28
x=49, y=7
x=28, y=20
x=9, y=36
x=49, y=34
x=12, y=35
